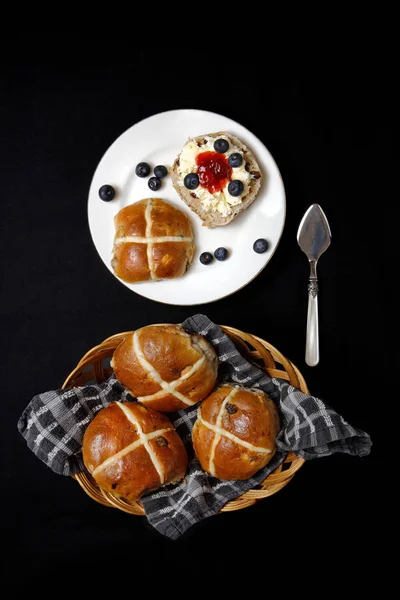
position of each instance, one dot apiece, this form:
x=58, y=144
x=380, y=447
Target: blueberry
x=160, y=171
x=221, y=254
x=154, y=183
x=206, y=258
x=221, y=146
x=260, y=246
x=142, y=169
x=235, y=159
x=106, y=193
x=191, y=181
x=235, y=187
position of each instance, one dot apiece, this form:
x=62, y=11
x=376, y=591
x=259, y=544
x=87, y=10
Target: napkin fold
x=54, y=422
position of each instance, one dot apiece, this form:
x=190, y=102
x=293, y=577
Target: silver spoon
x=314, y=237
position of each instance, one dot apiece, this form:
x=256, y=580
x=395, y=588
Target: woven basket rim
x=258, y=349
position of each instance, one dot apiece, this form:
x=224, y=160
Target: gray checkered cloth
x=54, y=422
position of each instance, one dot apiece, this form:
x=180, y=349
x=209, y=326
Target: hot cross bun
x=217, y=176
x=234, y=435
x=130, y=450
x=153, y=240
x=165, y=367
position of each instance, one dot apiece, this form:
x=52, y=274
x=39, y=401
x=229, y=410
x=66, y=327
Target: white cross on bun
x=153, y=240
x=234, y=435
x=165, y=367
x=130, y=450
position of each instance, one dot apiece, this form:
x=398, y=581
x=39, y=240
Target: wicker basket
x=93, y=367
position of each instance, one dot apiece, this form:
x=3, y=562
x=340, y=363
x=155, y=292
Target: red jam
x=213, y=171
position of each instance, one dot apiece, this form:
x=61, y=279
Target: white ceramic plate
x=158, y=140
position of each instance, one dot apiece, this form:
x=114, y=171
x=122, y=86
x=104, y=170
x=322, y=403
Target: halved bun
x=209, y=217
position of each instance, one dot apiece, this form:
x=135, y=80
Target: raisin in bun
x=130, y=450
x=153, y=240
x=166, y=368
x=234, y=435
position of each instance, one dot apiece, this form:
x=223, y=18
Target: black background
x=329, y=130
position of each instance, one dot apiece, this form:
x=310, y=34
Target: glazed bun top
x=234, y=435
x=165, y=367
x=130, y=450
x=153, y=240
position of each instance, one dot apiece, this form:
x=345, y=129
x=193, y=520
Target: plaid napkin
x=54, y=422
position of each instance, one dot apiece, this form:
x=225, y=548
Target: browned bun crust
x=234, y=436
x=166, y=368
x=130, y=449
x=151, y=219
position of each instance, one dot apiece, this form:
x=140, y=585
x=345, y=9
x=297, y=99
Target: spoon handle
x=312, y=337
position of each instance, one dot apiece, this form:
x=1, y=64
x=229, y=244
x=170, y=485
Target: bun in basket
x=211, y=200
x=153, y=240
x=234, y=435
x=130, y=450
x=166, y=368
